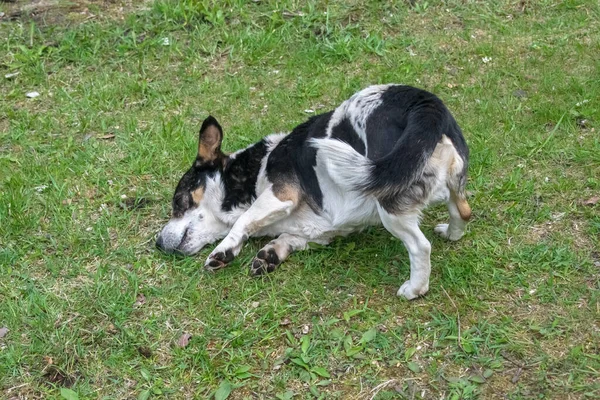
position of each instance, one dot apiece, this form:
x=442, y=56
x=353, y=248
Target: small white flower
x=486, y=59
x=165, y=41
x=309, y=111
x=40, y=188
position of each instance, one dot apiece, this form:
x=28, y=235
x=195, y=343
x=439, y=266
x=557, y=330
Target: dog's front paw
x=218, y=259
x=264, y=262
x=410, y=292
x=444, y=231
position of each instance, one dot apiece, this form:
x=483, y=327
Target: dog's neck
x=240, y=175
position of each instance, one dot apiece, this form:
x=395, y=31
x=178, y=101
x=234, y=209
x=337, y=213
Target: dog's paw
x=264, y=262
x=411, y=292
x=444, y=231
x=218, y=260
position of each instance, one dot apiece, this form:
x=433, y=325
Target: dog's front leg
x=271, y=206
x=275, y=252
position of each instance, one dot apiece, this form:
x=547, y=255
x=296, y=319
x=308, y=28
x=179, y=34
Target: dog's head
x=198, y=197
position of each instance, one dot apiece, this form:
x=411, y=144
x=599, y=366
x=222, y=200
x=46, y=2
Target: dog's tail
x=345, y=166
x=391, y=175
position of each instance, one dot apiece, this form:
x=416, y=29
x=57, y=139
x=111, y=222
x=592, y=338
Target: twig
x=457, y=318
x=16, y=387
x=381, y=386
x=516, y=363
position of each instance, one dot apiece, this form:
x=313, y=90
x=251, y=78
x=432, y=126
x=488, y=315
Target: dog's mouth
x=184, y=241
x=166, y=246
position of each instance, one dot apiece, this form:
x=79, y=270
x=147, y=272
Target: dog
x=381, y=157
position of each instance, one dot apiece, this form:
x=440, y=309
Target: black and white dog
x=381, y=157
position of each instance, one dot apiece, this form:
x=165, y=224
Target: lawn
x=92, y=310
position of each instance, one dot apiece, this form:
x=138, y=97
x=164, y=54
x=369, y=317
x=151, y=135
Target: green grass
x=513, y=308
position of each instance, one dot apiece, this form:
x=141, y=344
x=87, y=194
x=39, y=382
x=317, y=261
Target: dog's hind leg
x=270, y=207
x=458, y=208
x=460, y=212
x=406, y=228
x=275, y=252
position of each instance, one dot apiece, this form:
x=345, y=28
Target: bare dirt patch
x=63, y=12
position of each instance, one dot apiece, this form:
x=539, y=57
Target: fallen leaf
x=285, y=322
x=3, y=331
x=107, y=137
x=592, y=201
x=141, y=299
x=11, y=75
x=184, y=340
x=32, y=95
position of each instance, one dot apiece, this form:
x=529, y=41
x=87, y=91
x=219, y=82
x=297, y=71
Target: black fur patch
x=293, y=160
x=346, y=133
x=240, y=175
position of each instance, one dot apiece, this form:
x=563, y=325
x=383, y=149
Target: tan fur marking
x=464, y=208
x=197, y=195
x=287, y=193
x=210, y=142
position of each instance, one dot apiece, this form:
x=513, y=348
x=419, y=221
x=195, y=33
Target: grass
x=87, y=170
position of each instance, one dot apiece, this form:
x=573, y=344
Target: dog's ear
x=209, y=142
